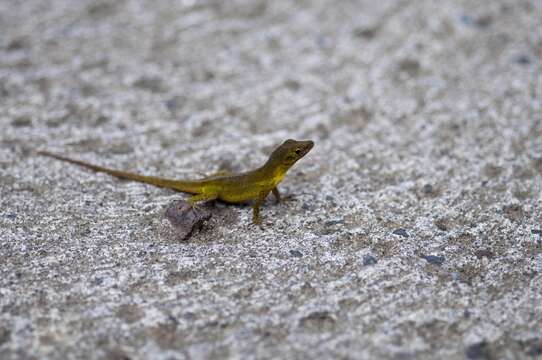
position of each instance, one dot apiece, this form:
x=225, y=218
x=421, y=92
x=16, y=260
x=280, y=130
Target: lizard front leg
x=256, y=207
x=276, y=193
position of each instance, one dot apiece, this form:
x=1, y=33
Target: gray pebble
x=433, y=259
x=400, y=232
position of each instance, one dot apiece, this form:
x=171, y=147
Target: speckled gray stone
x=426, y=117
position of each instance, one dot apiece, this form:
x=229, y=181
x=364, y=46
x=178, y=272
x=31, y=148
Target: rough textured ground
x=412, y=230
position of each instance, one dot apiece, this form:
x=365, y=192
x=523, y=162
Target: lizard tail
x=191, y=187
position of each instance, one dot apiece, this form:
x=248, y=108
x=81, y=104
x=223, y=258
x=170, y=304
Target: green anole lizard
x=252, y=185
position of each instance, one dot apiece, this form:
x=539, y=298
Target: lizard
x=247, y=186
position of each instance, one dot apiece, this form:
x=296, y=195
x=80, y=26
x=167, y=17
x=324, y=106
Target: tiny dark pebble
x=4, y=335
x=22, y=121
x=433, y=259
x=175, y=103
x=365, y=32
x=152, y=84
x=292, y=84
x=98, y=281
x=481, y=22
x=409, y=66
x=305, y=206
x=484, y=253
x=102, y=119
x=484, y=21
x=428, y=188
x=400, y=232
x=319, y=321
x=18, y=44
x=333, y=222
x=535, y=350
x=537, y=232
x=523, y=60
x=10, y=216
x=478, y=351
x=296, y=253
x=369, y=260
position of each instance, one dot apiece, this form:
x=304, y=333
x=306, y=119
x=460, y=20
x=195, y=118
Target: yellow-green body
x=252, y=185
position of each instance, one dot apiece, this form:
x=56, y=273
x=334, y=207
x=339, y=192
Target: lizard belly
x=240, y=194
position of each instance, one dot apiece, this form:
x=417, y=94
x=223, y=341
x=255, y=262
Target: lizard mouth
x=307, y=146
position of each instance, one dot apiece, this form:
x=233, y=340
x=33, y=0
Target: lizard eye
x=298, y=151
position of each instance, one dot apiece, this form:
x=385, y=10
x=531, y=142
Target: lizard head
x=290, y=151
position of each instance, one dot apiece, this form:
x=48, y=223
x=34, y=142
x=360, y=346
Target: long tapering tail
x=191, y=187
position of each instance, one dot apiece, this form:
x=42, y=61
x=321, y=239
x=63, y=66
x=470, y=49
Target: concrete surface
x=413, y=230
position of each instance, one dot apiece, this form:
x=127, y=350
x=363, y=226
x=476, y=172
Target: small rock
x=101, y=9
x=482, y=22
x=175, y=103
x=537, y=232
x=4, y=335
x=318, y=321
x=10, y=216
x=151, y=84
x=102, y=119
x=400, y=232
x=433, y=259
x=333, y=222
x=428, y=189
x=185, y=217
x=369, y=260
x=296, y=253
x=365, y=32
x=409, y=66
x=292, y=84
x=22, y=121
x=534, y=350
x=121, y=149
x=478, y=351
x=522, y=60
x=18, y=44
